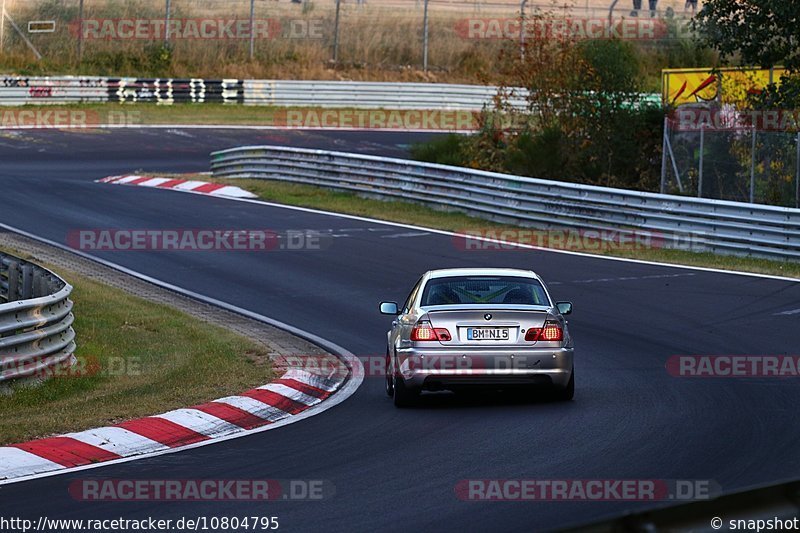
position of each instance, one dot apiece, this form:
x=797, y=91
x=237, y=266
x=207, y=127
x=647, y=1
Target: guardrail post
x=425, y=38
x=13, y=281
x=336, y=33
x=753, y=168
x=27, y=281
x=702, y=152
x=39, y=284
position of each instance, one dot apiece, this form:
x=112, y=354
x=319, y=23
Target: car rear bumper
x=437, y=368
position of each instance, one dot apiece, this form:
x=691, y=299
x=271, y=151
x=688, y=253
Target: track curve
x=397, y=469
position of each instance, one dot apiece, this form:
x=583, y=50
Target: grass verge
x=135, y=358
x=417, y=214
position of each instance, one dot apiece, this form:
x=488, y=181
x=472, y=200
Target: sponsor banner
x=168, y=91
x=725, y=86
x=20, y=90
x=16, y=90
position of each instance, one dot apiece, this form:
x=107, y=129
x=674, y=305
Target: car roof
x=449, y=272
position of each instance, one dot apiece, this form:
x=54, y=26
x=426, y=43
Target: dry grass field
x=378, y=39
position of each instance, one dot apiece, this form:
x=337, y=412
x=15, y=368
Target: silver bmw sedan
x=468, y=327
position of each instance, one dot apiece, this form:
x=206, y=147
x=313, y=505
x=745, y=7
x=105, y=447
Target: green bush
x=445, y=150
x=585, y=121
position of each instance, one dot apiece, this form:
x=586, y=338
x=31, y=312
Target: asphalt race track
x=397, y=469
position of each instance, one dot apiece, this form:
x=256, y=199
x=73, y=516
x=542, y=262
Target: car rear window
x=458, y=290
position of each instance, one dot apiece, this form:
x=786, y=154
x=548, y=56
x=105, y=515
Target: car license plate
x=487, y=334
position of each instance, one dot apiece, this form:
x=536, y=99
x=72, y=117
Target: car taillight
x=442, y=334
x=424, y=332
x=533, y=334
x=550, y=332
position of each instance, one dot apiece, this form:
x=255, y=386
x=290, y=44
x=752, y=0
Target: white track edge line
x=491, y=240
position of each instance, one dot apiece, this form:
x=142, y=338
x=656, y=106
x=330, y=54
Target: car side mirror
x=388, y=308
x=565, y=308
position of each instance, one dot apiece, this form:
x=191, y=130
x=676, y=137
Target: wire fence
x=435, y=33
x=743, y=164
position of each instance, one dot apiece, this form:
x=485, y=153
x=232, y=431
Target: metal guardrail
x=676, y=222
x=35, y=320
x=373, y=95
x=20, y=90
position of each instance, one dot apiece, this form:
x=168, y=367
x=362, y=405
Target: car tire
x=403, y=396
x=567, y=393
x=389, y=380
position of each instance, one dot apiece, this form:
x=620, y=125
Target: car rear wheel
x=403, y=396
x=567, y=393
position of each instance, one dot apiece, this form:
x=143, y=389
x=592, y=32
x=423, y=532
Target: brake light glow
x=550, y=332
x=424, y=332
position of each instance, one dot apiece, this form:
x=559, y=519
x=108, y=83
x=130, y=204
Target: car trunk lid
x=487, y=327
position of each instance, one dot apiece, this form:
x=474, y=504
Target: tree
x=763, y=32
x=585, y=118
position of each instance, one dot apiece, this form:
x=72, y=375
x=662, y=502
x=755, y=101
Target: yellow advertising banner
x=725, y=85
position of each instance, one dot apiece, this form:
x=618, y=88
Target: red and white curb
x=294, y=393
x=201, y=187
